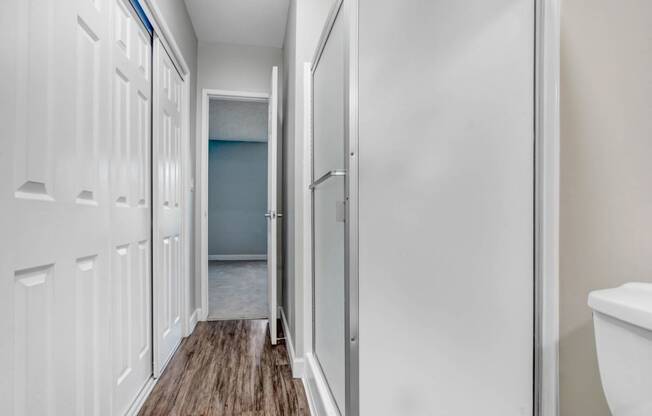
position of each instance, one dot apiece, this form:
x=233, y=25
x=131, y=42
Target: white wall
x=289, y=208
x=606, y=176
x=306, y=19
x=235, y=67
x=177, y=18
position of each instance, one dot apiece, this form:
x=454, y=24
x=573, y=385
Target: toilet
x=622, y=318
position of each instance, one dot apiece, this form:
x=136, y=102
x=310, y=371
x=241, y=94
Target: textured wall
x=606, y=176
x=237, y=120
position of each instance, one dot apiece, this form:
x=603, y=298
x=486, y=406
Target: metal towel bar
x=326, y=176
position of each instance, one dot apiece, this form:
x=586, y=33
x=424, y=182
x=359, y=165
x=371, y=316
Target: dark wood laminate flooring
x=228, y=368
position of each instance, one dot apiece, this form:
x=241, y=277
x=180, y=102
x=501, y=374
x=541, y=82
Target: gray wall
x=237, y=197
x=606, y=176
x=289, y=82
x=235, y=67
x=175, y=14
x=306, y=19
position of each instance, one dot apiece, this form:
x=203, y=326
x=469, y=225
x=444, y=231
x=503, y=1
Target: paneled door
x=130, y=207
x=167, y=213
x=74, y=311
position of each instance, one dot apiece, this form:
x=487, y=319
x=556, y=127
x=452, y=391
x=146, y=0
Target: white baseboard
x=192, y=322
x=231, y=257
x=297, y=364
x=319, y=396
x=142, y=397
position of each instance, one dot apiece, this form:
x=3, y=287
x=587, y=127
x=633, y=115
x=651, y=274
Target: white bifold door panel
x=272, y=214
x=167, y=238
x=328, y=209
x=130, y=208
x=446, y=164
x=74, y=197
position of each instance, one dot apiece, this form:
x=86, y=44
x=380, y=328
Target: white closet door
x=63, y=248
x=130, y=207
x=167, y=210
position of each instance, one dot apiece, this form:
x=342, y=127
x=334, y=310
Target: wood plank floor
x=228, y=368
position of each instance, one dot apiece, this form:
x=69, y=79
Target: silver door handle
x=326, y=176
x=268, y=215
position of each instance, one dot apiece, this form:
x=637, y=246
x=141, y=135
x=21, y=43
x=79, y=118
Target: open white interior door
x=272, y=215
x=166, y=183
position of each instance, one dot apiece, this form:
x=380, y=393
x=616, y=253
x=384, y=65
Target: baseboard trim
x=192, y=322
x=309, y=398
x=142, y=397
x=320, y=399
x=297, y=364
x=234, y=257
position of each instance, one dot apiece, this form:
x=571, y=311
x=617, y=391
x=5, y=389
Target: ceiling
x=241, y=22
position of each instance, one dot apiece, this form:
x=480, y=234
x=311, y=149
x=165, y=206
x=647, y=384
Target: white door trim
x=547, y=208
x=201, y=154
x=306, y=200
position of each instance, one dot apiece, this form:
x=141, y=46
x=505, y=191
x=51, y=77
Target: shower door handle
x=326, y=176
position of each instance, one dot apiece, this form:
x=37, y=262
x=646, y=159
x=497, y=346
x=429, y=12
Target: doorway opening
x=238, y=224
x=237, y=204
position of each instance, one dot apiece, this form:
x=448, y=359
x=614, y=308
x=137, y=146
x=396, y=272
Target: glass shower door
x=328, y=190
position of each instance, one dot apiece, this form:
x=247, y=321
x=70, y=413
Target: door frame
x=201, y=149
x=546, y=207
x=545, y=222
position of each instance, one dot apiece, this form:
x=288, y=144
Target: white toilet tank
x=623, y=334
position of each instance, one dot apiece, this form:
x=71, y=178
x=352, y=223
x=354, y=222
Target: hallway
x=228, y=368
x=283, y=208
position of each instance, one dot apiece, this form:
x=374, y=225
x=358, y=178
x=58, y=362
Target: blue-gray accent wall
x=237, y=197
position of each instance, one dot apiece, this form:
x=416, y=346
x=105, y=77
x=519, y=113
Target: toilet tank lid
x=631, y=303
